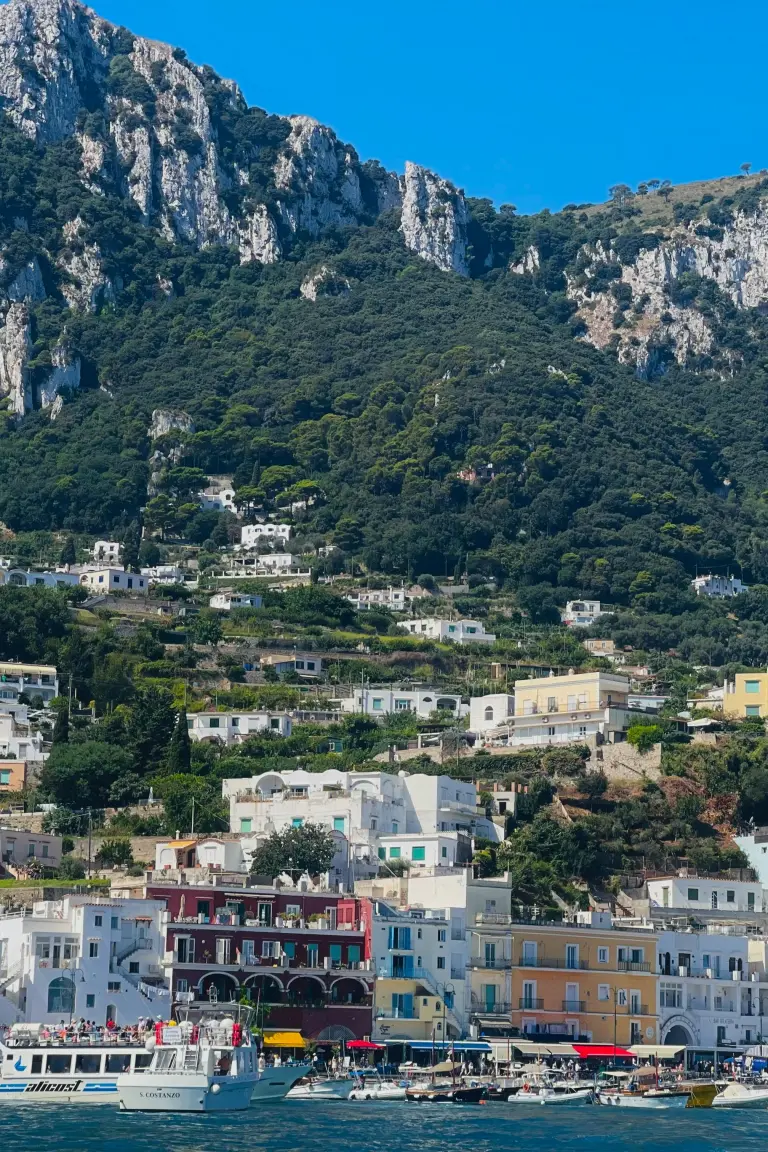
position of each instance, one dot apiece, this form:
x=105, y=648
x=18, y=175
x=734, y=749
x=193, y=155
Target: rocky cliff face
x=637, y=312
x=155, y=134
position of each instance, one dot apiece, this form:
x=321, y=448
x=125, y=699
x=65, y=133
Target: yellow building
x=585, y=980
x=568, y=709
x=746, y=695
x=409, y=1009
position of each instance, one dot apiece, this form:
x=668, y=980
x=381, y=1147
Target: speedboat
x=206, y=1067
x=742, y=1096
x=319, y=1088
x=372, y=1088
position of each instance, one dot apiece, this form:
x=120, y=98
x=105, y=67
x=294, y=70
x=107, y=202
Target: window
x=338, y=823
x=245, y=824
x=489, y=996
x=490, y=954
x=730, y=896
x=529, y=952
x=750, y=901
x=353, y=954
x=705, y=961
x=378, y=704
x=134, y=967
x=61, y=996
x=551, y=730
x=671, y=995
x=395, y=827
x=113, y=986
x=714, y=899
x=621, y=997
x=297, y=821
x=98, y=920
x=402, y=705
x=58, y=1065
x=43, y=948
x=400, y=937
x=382, y=853
x=571, y=955
x=441, y=961
x=418, y=853
x=5, y=775
x=752, y=710
x=222, y=949
x=270, y=949
x=443, y=853
x=214, y=723
x=582, y=729
x=603, y=992
x=335, y=954
x=752, y=687
x=93, y=949
x=451, y=627
x=529, y=994
x=312, y=961
x=394, y=853
x=90, y=1001
x=693, y=893
x=489, y=714
x=441, y=935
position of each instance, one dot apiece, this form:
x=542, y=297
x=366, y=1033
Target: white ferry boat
x=207, y=1067
x=37, y=1066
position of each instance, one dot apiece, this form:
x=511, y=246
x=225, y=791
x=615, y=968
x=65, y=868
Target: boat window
x=37, y=1065
x=118, y=1062
x=88, y=1063
x=58, y=1064
x=142, y=1061
x=166, y=1059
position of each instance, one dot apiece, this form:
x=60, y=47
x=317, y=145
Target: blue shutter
x=405, y=938
x=408, y=965
x=408, y=1006
x=391, y=938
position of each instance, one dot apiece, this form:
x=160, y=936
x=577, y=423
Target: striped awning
x=273, y=1039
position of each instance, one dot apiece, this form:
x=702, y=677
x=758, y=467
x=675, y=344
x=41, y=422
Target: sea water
x=335, y=1126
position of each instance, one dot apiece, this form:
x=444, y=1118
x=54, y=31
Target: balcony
x=574, y=1006
x=552, y=962
x=530, y=1004
x=634, y=966
x=497, y=1008
x=479, y=962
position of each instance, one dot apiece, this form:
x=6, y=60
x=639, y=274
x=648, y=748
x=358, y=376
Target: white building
x=427, y=821
x=17, y=740
x=235, y=727
x=459, y=631
x=253, y=534
x=699, y=894
x=719, y=587
x=420, y=958
x=212, y=854
x=21, y=578
x=581, y=613
x=226, y=601
x=586, y=708
x=711, y=992
x=164, y=574
x=422, y=701
x=487, y=713
x=364, y=599
x=83, y=956
x=109, y=580
x=755, y=848
x=107, y=550
x=218, y=496
x=306, y=665
x=31, y=679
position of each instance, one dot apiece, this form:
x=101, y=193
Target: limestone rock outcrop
x=324, y=282
x=434, y=220
x=15, y=353
x=63, y=377
x=167, y=420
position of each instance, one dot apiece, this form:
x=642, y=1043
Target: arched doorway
x=307, y=992
x=264, y=989
x=111, y=1014
x=347, y=990
x=217, y=987
x=678, y=1035
x=334, y=1034
x=61, y=996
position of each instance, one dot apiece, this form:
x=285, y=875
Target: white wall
x=732, y=895
x=500, y=705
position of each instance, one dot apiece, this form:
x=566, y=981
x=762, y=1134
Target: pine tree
x=61, y=727
x=180, y=749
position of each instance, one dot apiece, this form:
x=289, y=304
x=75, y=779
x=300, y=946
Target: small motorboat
x=739, y=1095
x=446, y=1093
x=555, y=1095
x=373, y=1088
x=650, y=1098
x=322, y=1088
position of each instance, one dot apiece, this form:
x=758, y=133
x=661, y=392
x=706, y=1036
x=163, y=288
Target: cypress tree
x=180, y=748
x=61, y=727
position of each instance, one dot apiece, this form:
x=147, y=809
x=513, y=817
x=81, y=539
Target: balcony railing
x=552, y=962
x=574, y=1006
x=497, y=1008
x=530, y=1004
x=491, y=965
x=634, y=966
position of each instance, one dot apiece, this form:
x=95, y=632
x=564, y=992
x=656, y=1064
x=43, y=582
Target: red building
x=303, y=957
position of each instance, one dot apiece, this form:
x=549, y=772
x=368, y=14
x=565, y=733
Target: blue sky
x=537, y=105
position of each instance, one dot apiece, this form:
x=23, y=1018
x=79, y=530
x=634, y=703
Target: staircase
x=11, y=975
x=190, y=1059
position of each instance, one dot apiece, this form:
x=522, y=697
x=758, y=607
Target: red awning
x=366, y=1045
x=604, y=1051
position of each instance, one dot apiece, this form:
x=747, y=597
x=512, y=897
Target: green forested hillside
x=374, y=400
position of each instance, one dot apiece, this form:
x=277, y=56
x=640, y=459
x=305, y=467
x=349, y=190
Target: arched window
x=489, y=713
x=61, y=996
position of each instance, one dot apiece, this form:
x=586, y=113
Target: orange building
x=13, y=775
x=586, y=980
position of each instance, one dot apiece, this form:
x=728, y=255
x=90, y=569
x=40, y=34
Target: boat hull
x=616, y=1100
x=755, y=1100
x=378, y=1092
x=569, y=1099
x=191, y=1093
x=276, y=1083
x=322, y=1090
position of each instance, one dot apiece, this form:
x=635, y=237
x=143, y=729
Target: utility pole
x=90, y=837
x=192, y=831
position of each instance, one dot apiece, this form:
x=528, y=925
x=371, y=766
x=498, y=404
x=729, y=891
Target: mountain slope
x=316, y=325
